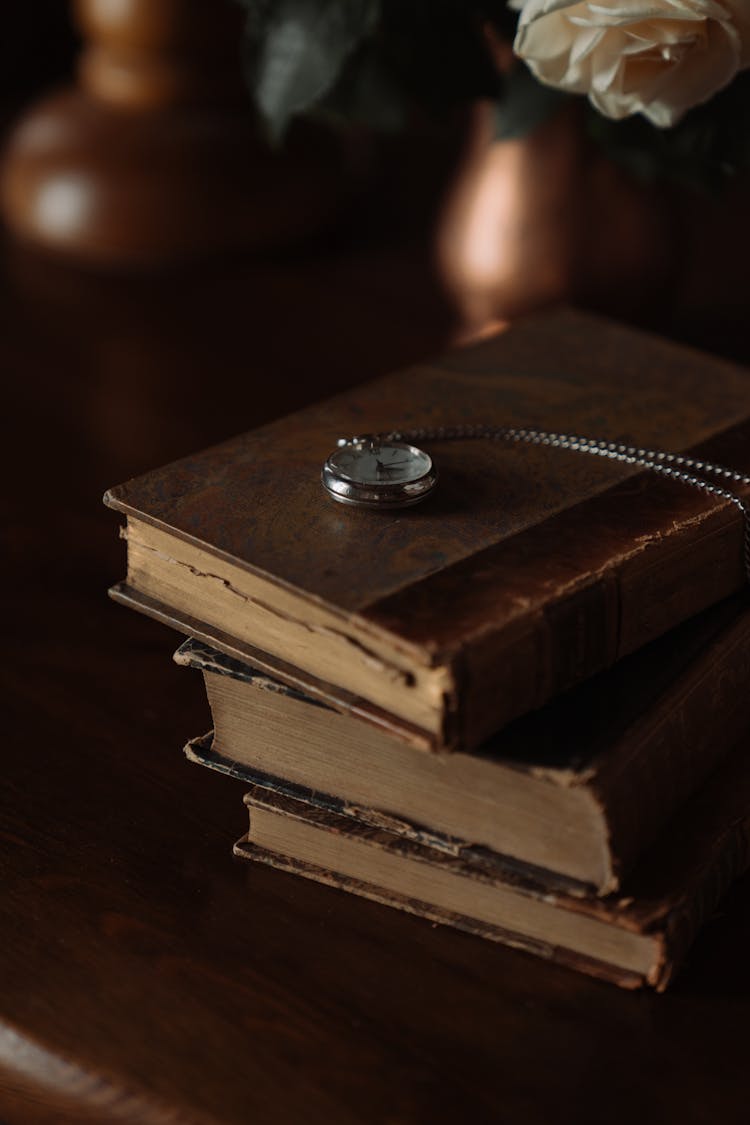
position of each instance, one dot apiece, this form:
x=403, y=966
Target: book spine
x=590, y=625
x=672, y=748
x=546, y=609
x=729, y=860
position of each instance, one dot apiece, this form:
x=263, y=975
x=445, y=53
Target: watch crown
x=369, y=441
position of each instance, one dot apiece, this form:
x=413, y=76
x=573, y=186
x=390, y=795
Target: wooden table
x=146, y=975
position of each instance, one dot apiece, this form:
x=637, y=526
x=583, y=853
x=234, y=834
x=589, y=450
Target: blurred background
x=131, y=147
x=181, y=275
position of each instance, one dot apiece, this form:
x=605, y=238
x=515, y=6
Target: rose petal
x=657, y=57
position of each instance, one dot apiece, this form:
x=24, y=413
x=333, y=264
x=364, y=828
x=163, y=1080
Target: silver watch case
x=383, y=495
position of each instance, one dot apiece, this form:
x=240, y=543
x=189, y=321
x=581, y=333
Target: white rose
x=657, y=57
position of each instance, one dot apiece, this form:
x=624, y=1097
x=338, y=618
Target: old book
x=636, y=938
x=579, y=788
x=529, y=570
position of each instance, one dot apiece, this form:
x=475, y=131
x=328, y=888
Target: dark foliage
x=376, y=61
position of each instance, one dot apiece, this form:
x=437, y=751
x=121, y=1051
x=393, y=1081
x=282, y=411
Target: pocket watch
x=375, y=472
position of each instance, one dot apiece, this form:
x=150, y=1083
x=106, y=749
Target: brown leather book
x=639, y=937
x=527, y=571
x=578, y=789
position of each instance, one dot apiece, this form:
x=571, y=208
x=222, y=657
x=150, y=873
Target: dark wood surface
x=147, y=975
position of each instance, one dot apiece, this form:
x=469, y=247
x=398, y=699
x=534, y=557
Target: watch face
x=370, y=473
x=387, y=464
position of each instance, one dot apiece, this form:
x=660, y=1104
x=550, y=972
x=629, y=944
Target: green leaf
x=525, y=104
x=295, y=50
x=368, y=93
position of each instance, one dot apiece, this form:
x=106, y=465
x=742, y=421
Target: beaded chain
x=686, y=470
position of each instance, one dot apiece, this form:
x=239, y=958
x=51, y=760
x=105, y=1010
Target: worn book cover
x=579, y=788
x=637, y=937
x=530, y=568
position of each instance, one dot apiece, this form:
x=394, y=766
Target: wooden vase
x=549, y=217
x=545, y=217
x=154, y=157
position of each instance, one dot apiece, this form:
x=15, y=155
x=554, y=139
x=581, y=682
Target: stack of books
x=520, y=708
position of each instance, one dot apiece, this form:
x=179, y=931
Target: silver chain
x=675, y=466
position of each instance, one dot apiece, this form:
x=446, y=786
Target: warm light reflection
x=62, y=205
x=494, y=204
x=474, y=334
x=504, y=241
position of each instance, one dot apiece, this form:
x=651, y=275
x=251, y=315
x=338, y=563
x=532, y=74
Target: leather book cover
x=530, y=568
x=665, y=901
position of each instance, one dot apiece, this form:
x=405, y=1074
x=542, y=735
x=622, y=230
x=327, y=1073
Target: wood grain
x=147, y=976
